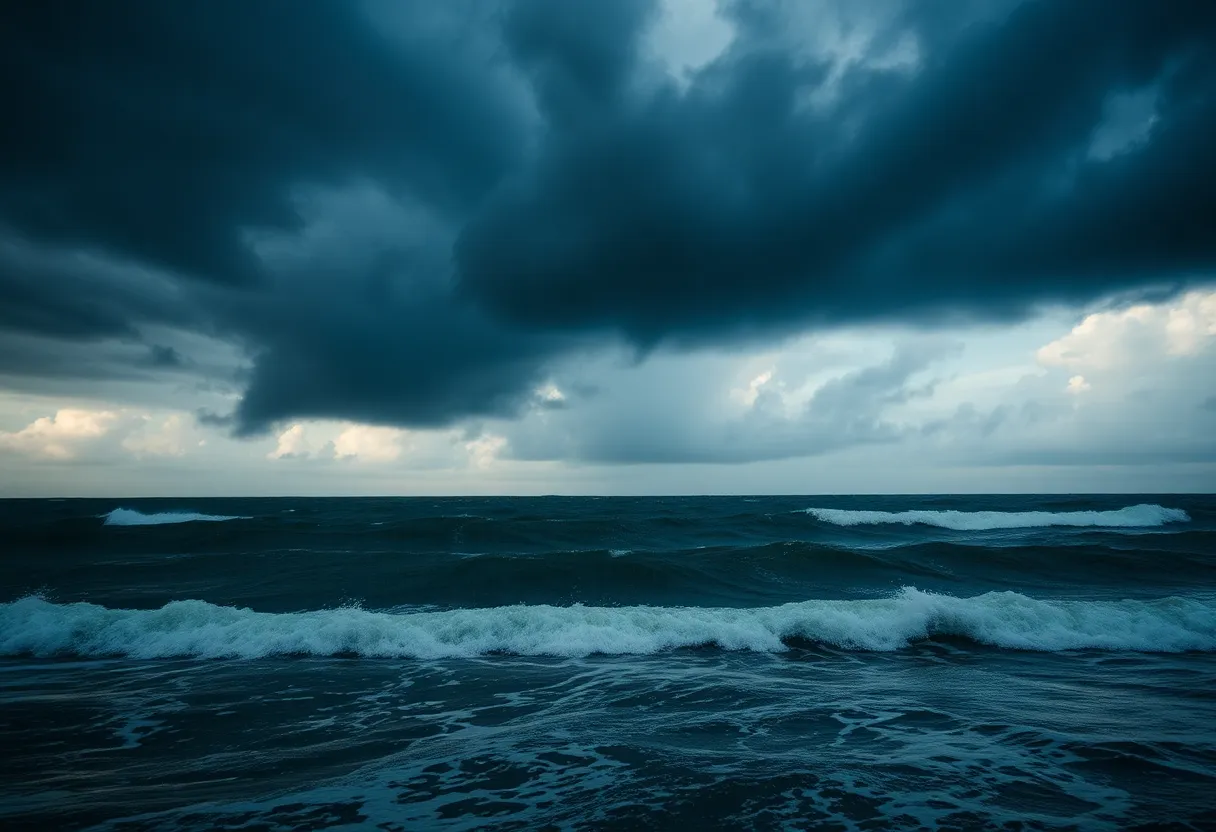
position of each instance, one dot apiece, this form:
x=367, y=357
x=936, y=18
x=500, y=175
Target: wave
x=131, y=517
x=33, y=626
x=1143, y=515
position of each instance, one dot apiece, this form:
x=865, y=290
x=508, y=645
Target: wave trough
x=33, y=626
x=1138, y=516
x=131, y=517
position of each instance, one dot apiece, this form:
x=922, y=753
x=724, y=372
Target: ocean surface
x=1004, y=662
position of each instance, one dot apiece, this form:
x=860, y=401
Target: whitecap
x=1143, y=515
x=33, y=626
x=131, y=517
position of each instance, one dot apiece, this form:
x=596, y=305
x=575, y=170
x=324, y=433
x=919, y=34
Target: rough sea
x=1005, y=662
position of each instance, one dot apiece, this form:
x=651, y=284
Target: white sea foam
x=131, y=517
x=1143, y=515
x=34, y=626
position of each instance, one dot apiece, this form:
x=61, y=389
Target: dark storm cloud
x=405, y=355
x=78, y=297
x=38, y=365
x=164, y=130
x=578, y=58
x=730, y=207
x=370, y=331
x=165, y=133
x=568, y=193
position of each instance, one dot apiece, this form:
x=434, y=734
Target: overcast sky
x=627, y=247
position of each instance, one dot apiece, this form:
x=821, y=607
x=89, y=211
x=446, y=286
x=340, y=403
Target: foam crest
x=33, y=626
x=1143, y=515
x=131, y=517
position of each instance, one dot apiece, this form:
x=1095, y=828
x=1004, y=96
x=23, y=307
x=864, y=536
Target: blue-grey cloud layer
x=572, y=194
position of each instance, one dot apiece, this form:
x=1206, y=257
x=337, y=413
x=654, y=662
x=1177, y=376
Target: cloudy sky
x=639, y=246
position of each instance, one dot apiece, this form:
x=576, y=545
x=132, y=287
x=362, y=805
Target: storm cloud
x=407, y=213
x=968, y=187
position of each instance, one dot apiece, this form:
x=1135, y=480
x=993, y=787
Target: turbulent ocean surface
x=609, y=663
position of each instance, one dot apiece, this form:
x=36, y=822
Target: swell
x=185, y=530
x=287, y=578
x=35, y=627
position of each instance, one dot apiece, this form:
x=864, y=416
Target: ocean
x=902, y=662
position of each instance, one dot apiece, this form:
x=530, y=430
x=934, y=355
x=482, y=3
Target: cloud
x=408, y=215
x=685, y=35
x=981, y=397
x=1144, y=334
x=749, y=394
x=74, y=434
x=186, y=148
x=210, y=418
x=863, y=409
x=71, y=313
x=168, y=139
x=372, y=332
x=58, y=437
x=485, y=450
x=369, y=444
x=726, y=209
x=79, y=295
x=682, y=409
x=1124, y=386
x=367, y=447
x=293, y=443
x=1127, y=124
x=1078, y=385
x=172, y=436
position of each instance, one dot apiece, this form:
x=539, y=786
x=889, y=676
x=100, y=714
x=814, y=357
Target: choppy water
x=766, y=663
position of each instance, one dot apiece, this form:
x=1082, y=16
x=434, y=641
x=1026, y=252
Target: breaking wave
x=1143, y=515
x=33, y=626
x=131, y=517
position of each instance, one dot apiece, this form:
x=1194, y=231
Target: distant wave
x=33, y=626
x=1132, y=516
x=131, y=517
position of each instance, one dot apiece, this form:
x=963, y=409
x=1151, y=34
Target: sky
x=638, y=247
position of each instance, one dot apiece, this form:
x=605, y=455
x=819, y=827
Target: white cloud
x=369, y=444
x=1192, y=324
x=80, y=434
x=1124, y=386
x=293, y=444
x=1139, y=336
x=1077, y=385
x=62, y=435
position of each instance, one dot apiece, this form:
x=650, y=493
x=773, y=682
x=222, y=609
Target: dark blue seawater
x=580, y=663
